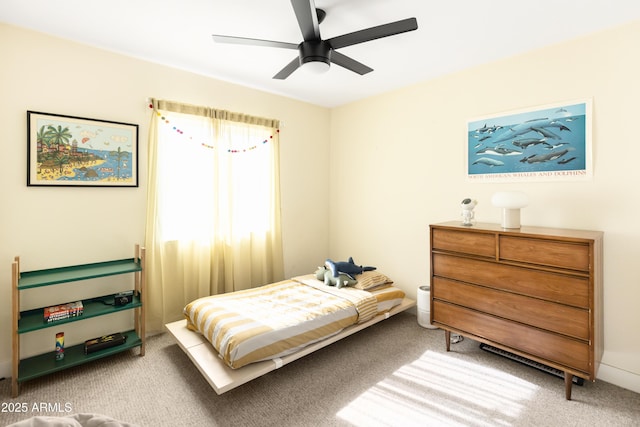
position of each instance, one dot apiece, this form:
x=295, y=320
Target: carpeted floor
x=394, y=373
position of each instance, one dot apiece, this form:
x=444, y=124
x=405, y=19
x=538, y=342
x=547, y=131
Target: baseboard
x=5, y=369
x=619, y=377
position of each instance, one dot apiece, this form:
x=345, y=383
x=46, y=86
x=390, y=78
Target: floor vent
x=548, y=369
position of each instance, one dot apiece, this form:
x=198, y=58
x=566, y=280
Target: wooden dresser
x=535, y=292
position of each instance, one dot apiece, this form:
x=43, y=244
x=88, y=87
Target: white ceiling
x=451, y=36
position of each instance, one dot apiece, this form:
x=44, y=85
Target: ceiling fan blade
x=373, y=33
x=305, y=11
x=349, y=63
x=288, y=69
x=252, y=42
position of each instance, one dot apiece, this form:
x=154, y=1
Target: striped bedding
x=274, y=320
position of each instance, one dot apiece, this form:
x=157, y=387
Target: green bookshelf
x=24, y=369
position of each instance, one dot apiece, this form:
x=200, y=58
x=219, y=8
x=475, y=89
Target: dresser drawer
x=545, y=345
x=483, y=244
x=556, y=287
x=574, y=256
x=532, y=311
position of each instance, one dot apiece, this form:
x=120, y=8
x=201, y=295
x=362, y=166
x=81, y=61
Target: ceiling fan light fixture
x=316, y=67
x=315, y=56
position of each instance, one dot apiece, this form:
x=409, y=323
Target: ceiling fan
x=317, y=54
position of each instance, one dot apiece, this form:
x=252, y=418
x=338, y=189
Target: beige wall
x=49, y=227
x=393, y=164
x=398, y=161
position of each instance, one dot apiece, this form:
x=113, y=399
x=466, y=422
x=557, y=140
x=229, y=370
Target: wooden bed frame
x=222, y=378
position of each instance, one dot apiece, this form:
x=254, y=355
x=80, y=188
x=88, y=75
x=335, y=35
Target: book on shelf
x=63, y=311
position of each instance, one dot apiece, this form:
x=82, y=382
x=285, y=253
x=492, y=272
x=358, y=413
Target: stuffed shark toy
x=349, y=268
x=342, y=280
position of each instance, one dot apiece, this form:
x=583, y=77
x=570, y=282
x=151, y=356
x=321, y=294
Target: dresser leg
x=568, y=382
x=447, y=338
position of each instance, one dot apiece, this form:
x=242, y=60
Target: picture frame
x=70, y=151
x=546, y=143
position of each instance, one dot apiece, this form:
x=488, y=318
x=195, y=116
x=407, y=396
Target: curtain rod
x=179, y=107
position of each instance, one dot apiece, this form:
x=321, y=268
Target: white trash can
x=424, y=307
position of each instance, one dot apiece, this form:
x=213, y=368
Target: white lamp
x=510, y=202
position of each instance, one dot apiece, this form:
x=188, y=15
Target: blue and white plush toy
x=349, y=268
x=342, y=280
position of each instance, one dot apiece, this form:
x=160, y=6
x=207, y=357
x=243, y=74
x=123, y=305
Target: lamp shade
x=510, y=199
x=511, y=202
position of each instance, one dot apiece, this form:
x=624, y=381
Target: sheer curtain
x=213, y=206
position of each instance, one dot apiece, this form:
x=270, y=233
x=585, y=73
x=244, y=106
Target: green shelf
x=44, y=364
x=94, y=305
x=54, y=276
x=33, y=320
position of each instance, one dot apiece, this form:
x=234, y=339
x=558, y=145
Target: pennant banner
x=166, y=121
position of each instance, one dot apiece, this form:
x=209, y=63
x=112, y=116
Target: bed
x=236, y=337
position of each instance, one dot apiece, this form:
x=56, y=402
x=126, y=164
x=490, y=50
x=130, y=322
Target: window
x=213, y=207
x=215, y=179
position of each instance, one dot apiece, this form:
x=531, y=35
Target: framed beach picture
x=74, y=151
x=546, y=143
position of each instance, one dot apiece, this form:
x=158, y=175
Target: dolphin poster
x=548, y=143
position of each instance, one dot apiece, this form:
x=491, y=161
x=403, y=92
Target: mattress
x=278, y=319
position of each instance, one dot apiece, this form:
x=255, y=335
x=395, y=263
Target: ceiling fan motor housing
x=315, y=51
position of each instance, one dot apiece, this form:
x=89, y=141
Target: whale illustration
x=565, y=161
x=539, y=123
x=488, y=129
x=528, y=142
x=499, y=151
x=546, y=133
x=540, y=158
x=534, y=125
x=489, y=162
x=554, y=146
